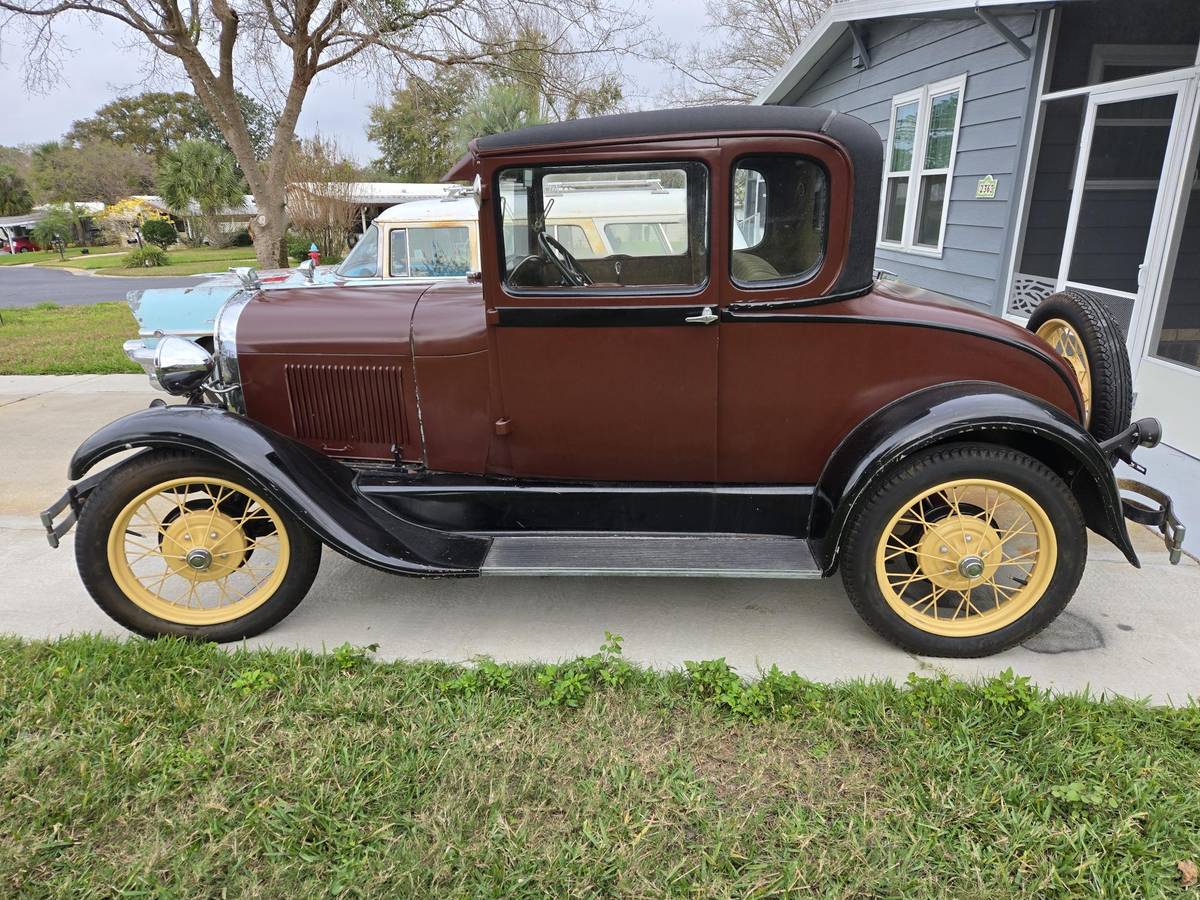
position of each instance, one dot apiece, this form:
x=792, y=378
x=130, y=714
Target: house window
x=919, y=167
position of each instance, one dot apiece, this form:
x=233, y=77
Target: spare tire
x=1085, y=334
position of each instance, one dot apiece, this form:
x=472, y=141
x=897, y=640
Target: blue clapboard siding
x=908, y=53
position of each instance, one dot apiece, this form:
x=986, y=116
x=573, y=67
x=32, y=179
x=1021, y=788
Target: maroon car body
x=721, y=387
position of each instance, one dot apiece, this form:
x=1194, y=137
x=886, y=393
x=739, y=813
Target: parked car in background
x=18, y=245
x=424, y=239
x=719, y=390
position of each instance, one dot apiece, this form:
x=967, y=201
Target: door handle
x=707, y=317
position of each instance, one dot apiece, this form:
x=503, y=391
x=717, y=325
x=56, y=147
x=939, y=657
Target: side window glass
x=607, y=227
x=574, y=238
x=398, y=253
x=363, y=260
x=637, y=238
x=780, y=212
x=441, y=252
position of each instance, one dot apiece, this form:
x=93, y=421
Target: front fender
x=975, y=411
x=317, y=490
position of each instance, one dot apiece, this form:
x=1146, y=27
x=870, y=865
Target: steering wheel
x=563, y=260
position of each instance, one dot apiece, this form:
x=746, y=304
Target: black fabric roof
x=691, y=120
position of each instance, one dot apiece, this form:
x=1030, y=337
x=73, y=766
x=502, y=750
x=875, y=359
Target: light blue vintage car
x=438, y=238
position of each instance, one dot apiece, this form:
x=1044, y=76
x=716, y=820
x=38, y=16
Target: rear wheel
x=177, y=544
x=964, y=551
x=1082, y=330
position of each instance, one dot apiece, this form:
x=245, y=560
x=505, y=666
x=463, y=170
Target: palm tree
x=15, y=198
x=502, y=107
x=200, y=177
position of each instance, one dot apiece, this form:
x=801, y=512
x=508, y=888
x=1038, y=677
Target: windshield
x=363, y=261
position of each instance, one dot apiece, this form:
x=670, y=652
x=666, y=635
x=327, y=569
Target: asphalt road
x=1129, y=631
x=30, y=285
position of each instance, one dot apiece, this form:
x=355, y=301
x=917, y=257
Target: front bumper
x=72, y=502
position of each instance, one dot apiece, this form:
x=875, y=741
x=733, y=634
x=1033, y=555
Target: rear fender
x=964, y=411
x=320, y=492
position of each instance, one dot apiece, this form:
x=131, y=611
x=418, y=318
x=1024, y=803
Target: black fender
x=319, y=491
x=965, y=411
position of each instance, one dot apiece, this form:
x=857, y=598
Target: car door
x=604, y=364
x=784, y=375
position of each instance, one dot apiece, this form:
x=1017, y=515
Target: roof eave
x=833, y=23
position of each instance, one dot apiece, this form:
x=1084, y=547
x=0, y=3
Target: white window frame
x=924, y=97
x=1180, y=55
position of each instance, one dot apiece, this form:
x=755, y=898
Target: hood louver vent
x=355, y=409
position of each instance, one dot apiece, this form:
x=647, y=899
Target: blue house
x=1032, y=146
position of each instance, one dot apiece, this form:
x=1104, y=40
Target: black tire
x=925, y=470
x=1108, y=361
x=125, y=482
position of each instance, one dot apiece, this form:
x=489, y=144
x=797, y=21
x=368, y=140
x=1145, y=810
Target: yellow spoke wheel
x=966, y=557
x=1065, y=340
x=198, y=550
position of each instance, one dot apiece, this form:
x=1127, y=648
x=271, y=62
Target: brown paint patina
x=763, y=396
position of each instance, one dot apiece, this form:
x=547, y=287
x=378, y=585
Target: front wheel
x=172, y=543
x=964, y=551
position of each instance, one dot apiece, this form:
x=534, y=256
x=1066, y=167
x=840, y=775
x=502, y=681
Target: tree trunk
x=270, y=224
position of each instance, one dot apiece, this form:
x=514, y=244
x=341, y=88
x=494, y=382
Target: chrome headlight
x=180, y=365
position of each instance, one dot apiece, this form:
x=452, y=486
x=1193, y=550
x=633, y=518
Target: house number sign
x=985, y=189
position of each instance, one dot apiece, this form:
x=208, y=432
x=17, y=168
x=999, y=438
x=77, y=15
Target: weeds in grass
x=254, y=681
x=348, y=658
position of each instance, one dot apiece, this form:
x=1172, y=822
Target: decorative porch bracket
x=860, y=47
x=989, y=18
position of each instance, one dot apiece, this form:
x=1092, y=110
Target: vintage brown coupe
x=705, y=379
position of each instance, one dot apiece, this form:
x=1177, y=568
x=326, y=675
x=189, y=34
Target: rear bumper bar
x=1160, y=515
x=1148, y=505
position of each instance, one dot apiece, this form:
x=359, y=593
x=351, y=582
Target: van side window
x=780, y=212
x=434, y=252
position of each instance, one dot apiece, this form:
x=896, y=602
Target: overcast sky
x=102, y=68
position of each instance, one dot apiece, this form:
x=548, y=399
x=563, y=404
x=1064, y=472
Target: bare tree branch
x=281, y=46
x=750, y=40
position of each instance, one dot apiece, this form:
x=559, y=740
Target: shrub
x=147, y=257
x=297, y=246
x=160, y=232
x=239, y=238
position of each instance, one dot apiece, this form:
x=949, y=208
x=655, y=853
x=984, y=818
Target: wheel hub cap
x=205, y=545
x=970, y=567
x=199, y=559
x=958, y=550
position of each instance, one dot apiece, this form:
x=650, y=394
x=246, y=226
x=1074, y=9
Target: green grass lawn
x=162, y=768
x=51, y=256
x=182, y=262
x=65, y=340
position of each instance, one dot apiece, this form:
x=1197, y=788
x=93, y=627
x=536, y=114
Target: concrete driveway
x=1128, y=631
x=22, y=285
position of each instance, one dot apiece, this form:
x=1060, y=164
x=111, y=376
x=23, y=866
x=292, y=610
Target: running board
x=700, y=556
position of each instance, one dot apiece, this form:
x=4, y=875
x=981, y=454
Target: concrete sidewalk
x=1127, y=631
